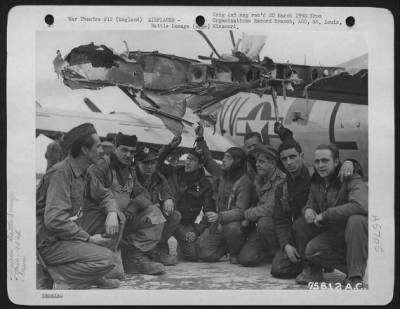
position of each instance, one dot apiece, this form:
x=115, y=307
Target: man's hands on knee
x=292, y=254
x=318, y=220
x=168, y=207
x=112, y=223
x=309, y=215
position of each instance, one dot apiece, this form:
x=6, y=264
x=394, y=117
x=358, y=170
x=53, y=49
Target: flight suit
x=342, y=242
x=291, y=228
x=261, y=240
x=232, y=196
x=158, y=188
x=192, y=193
x=141, y=222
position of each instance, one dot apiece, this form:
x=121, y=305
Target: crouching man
x=192, y=193
x=131, y=207
x=146, y=160
x=262, y=241
x=74, y=258
x=337, y=214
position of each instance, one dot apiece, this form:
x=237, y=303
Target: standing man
x=258, y=219
x=76, y=259
x=54, y=152
x=337, y=213
x=115, y=175
x=146, y=159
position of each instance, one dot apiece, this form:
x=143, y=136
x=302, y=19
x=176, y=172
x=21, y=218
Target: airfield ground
x=217, y=276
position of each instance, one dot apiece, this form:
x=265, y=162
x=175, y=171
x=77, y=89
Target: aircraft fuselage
x=313, y=122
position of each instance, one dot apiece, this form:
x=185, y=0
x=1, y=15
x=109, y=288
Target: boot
x=118, y=271
x=329, y=270
x=105, y=283
x=234, y=259
x=136, y=262
x=310, y=273
x=161, y=255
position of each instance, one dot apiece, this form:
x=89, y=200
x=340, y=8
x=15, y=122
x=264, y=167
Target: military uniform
x=342, y=242
x=262, y=240
x=192, y=193
x=159, y=190
x=291, y=197
x=144, y=221
x=53, y=154
x=60, y=239
x=232, y=194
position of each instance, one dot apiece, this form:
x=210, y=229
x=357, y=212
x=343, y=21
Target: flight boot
x=137, y=262
x=161, y=254
x=105, y=283
x=310, y=273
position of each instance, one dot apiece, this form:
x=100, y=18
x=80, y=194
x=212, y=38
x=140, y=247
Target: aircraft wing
x=148, y=129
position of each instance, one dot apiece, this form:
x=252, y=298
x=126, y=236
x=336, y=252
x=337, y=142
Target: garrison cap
x=268, y=151
x=78, y=132
x=146, y=153
x=126, y=140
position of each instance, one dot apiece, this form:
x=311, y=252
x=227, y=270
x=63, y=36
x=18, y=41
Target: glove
x=277, y=127
x=175, y=141
x=199, y=130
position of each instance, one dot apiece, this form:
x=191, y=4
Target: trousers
x=77, y=263
x=144, y=230
x=186, y=249
x=303, y=232
x=261, y=243
x=170, y=226
x=215, y=242
x=346, y=250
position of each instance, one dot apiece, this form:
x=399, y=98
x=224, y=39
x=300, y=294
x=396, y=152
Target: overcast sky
x=318, y=48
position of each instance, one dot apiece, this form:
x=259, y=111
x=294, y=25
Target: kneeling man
x=338, y=213
x=115, y=177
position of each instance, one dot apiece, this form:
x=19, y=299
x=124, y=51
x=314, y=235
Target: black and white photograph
x=234, y=156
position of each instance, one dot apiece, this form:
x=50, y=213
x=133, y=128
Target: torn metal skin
x=165, y=85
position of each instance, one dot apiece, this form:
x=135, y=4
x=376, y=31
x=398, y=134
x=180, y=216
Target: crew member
x=146, y=159
x=192, y=193
x=74, y=258
x=109, y=143
x=251, y=140
x=232, y=190
x=54, y=152
x=291, y=197
x=337, y=213
x=258, y=220
x=144, y=221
